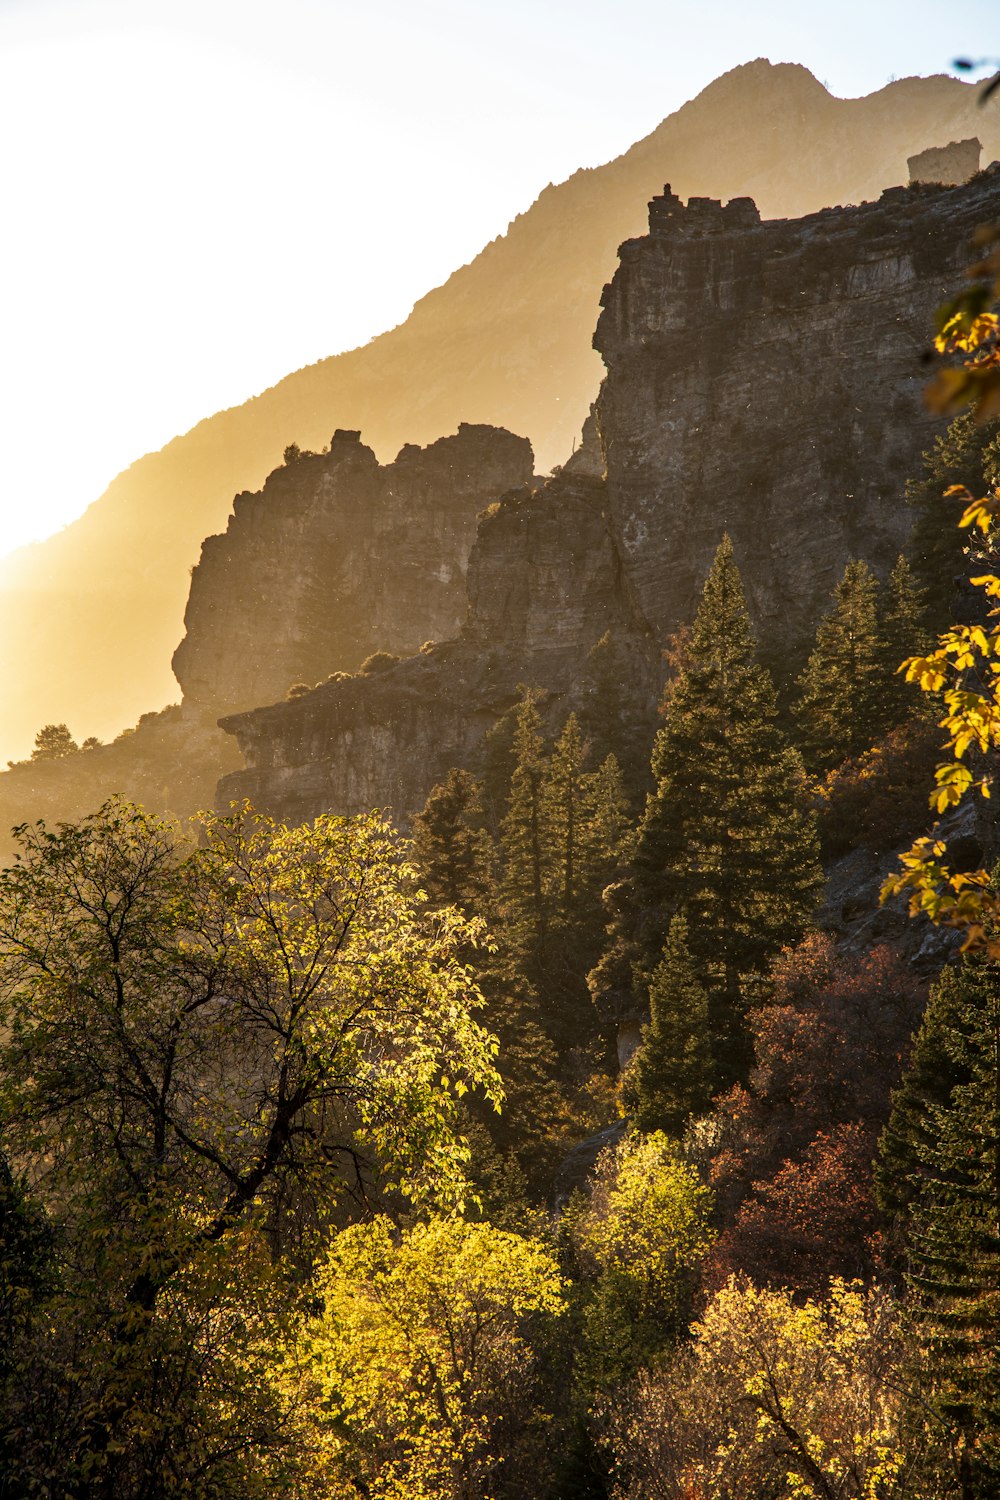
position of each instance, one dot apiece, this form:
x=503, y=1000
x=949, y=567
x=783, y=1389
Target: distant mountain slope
x=89, y=619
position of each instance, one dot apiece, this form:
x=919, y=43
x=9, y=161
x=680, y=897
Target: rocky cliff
x=337, y=557
x=90, y=617
x=762, y=378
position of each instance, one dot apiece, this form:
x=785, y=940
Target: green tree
x=841, y=703
x=670, y=1077
x=901, y=635
x=562, y=840
x=449, y=847
x=968, y=455
x=941, y=1171
x=199, y=1045
x=638, y=1240
x=53, y=742
x=422, y=1382
x=728, y=839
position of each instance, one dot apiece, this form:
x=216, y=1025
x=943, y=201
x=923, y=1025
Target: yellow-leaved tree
x=964, y=667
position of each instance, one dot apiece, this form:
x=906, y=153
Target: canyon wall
x=337, y=557
x=762, y=378
x=90, y=617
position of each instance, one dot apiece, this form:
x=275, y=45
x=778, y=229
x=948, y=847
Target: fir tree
x=670, y=1076
x=561, y=844
x=841, y=692
x=727, y=838
x=941, y=1169
x=901, y=634
x=967, y=454
x=450, y=850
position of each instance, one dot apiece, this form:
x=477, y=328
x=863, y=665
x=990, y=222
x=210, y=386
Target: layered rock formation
x=338, y=557
x=763, y=378
x=90, y=617
x=544, y=588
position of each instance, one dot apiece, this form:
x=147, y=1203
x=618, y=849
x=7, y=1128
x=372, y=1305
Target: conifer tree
x=670, y=1077
x=526, y=884
x=841, y=692
x=967, y=454
x=450, y=849
x=727, y=838
x=901, y=634
x=561, y=843
x=941, y=1170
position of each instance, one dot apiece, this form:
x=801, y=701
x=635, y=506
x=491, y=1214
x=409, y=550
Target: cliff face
x=544, y=587
x=90, y=617
x=763, y=378
x=338, y=557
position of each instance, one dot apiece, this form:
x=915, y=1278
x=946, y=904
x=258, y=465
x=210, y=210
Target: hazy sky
x=202, y=195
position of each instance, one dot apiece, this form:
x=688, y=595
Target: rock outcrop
x=544, y=588
x=766, y=379
x=338, y=557
x=952, y=164
x=763, y=378
x=90, y=617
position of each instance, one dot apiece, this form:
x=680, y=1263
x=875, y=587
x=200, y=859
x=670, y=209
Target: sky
x=200, y=196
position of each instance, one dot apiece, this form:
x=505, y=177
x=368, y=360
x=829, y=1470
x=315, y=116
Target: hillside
x=90, y=618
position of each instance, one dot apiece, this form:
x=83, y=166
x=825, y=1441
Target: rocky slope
x=89, y=618
x=338, y=557
x=763, y=378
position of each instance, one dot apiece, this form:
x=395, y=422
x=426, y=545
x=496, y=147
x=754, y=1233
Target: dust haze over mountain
x=91, y=616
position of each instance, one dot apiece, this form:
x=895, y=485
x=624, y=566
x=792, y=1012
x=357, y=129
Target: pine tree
x=901, y=634
x=561, y=842
x=941, y=1170
x=727, y=838
x=526, y=882
x=841, y=692
x=967, y=454
x=450, y=850
x=670, y=1077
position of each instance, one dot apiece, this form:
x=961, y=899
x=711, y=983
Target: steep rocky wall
x=337, y=557
x=766, y=379
x=544, y=587
x=763, y=378
x=506, y=340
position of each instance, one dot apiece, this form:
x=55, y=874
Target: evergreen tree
x=967, y=454
x=526, y=883
x=841, y=692
x=450, y=849
x=54, y=742
x=941, y=1168
x=901, y=634
x=670, y=1077
x=727, y=838
x=561, y=843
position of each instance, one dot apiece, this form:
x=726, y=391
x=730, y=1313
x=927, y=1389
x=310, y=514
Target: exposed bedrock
x=336, y=557
x=762, y=378
x=543, y=588
x=766, y=379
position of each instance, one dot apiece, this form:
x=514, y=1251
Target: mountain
x=89, y=618
x=764, y=379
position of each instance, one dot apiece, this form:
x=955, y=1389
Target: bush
x=879, y=799
x=379, y=661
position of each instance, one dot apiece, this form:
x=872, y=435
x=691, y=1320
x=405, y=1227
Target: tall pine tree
x=940, y=1175
x=728, y=838
x=841, y=692
x=967, y=454
x=670, y=1077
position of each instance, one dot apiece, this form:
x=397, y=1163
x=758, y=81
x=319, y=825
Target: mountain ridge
x=92, y=615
